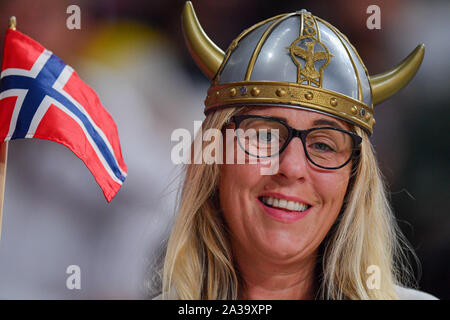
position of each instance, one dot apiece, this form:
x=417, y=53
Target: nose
x=293, y=165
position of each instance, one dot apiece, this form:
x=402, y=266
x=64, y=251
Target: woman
x=320, y=225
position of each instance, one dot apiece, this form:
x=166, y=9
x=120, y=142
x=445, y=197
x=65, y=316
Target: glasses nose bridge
x=299, y=134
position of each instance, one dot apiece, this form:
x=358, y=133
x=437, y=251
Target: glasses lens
x=329, y=148
x=261, y=137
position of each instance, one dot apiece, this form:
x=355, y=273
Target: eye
x=265, y=136
x=320, y=146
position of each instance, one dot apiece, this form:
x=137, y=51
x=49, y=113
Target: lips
x=284, y=204
x=284, y=208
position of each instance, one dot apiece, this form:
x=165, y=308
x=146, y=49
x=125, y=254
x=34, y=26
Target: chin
x=283, y=249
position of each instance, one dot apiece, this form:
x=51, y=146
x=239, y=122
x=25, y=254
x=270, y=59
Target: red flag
x=42, y=97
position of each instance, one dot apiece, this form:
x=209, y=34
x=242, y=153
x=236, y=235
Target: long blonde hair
x=198, y=262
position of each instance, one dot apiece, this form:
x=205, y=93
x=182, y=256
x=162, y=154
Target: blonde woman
x=297, y=98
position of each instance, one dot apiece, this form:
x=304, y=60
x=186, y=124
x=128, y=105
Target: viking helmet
x=294, y=60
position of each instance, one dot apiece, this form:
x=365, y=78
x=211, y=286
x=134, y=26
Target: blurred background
x=133, y=54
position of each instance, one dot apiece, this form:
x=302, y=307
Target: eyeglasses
x=265, y=137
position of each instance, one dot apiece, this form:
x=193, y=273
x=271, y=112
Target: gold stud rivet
x=333, y=102
x=354, y=109
x=367, y=117
x=233, y=92
x=280, y=92
x=373, y=122
x=309, y=95
x=255, y=91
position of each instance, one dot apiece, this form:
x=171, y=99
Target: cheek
x=239, y=174
x=333, y=188
x=238, y=186
x=236, y=183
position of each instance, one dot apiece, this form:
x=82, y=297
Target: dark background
x=133, y=54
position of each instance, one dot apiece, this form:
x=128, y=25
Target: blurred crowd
x=133, y=54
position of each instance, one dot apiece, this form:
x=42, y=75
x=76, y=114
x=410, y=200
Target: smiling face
x=251, y=202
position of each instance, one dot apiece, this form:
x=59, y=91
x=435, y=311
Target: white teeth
x=284, y=204
x=290, y=205
x=275, y=202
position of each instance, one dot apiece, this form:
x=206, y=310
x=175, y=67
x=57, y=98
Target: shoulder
x=158, y=297
x=412, y=294
x=402, y=292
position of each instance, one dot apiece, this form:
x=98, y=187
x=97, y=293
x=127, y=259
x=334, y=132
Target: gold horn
x=388, y=83
x=206, y=54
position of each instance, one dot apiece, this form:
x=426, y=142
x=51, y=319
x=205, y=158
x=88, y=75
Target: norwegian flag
x=42, y=97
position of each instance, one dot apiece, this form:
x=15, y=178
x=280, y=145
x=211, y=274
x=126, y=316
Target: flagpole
x=4, y=152
x=3, y=161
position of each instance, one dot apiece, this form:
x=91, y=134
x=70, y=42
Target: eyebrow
x=318, y=122
x=326, y=122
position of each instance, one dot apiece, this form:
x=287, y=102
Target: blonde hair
x=198, y=262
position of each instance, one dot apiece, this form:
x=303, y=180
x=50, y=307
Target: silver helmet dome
x=294, y=60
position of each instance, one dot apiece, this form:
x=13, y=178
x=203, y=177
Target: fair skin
x=276, y=259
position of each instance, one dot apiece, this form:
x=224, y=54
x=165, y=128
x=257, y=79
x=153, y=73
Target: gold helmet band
x=310, y=95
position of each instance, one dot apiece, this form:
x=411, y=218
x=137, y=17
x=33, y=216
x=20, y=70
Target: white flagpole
x=4, y=153
x=3, y=160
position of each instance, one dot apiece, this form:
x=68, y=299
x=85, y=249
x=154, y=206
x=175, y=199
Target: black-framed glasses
x=265, y=137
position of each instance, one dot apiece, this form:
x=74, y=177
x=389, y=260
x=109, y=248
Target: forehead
x=299, y=118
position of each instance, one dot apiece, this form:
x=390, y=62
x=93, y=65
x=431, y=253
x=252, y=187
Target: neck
x=274, y=280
